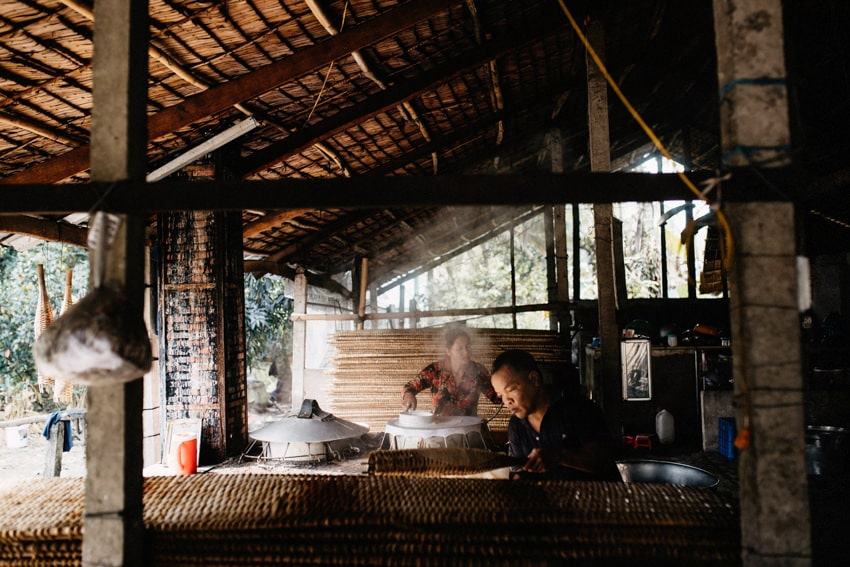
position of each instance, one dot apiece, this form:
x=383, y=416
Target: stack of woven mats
x=245, y=519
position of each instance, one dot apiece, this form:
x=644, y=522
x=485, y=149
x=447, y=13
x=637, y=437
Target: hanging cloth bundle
x=43, y=318
x=97, y=341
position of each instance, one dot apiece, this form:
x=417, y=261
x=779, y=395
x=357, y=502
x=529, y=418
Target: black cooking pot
x=827, y=450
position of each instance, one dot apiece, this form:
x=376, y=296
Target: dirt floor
x=21, y=463
x=18, y=463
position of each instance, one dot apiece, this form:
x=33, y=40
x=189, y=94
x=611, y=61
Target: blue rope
x=758, y=81
x=750, y=150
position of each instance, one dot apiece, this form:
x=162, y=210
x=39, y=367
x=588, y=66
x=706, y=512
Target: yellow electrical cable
x=743, y=438
x=727, y=244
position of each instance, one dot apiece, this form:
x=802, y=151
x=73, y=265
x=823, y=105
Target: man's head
x=518, y=381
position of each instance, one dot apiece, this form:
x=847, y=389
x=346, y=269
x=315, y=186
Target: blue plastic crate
x=726, y=437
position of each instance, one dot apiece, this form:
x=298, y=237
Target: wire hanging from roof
x=727, y=244
x=328, y=74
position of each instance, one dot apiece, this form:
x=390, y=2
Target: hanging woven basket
x=43, y=318
x=99, y=340
x=63, y=390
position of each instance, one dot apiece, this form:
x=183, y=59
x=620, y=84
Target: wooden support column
x=414, y=319
x=361, y=292
x=603, y=219
x=299, y=338
x=551, y=273
x=401, y=306
x=53, y=458
x=559, y=291
x=113, y=486
x=373, y=301
x=513, y=274
x=768, y=379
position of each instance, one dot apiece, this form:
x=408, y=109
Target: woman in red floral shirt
x=456, y=382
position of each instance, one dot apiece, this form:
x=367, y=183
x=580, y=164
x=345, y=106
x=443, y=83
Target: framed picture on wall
x=637, y=371
x=179, y=430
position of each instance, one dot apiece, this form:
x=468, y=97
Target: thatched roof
x=357, y=88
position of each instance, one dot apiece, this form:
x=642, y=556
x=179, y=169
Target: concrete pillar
x=768, y=386
x=775, y=520
x=751, y=76
x=112, y=521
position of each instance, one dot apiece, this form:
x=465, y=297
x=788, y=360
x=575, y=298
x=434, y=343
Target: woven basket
x=63, y=390
x=43, y=318
x=242, y=519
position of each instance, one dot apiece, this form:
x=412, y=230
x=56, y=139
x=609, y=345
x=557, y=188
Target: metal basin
x=827, y=450
x=662, y=472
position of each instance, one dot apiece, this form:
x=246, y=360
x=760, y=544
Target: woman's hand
x=408, y=401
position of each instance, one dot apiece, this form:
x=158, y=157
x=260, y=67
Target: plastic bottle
x=665, y=427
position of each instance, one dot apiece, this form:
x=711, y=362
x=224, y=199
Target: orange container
x=187, y=457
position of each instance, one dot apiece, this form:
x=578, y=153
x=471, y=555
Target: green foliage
x=482, y=276
x=268, y=328
x=18, y=300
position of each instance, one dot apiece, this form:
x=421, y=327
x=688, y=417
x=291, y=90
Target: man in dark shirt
x=565, y=438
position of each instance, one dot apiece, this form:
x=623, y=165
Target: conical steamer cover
x=311, y=425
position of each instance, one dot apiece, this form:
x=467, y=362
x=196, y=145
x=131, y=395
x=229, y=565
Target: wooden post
x=561, y=295
x=401, y=306
x=767, y=367
x=513, y=274
x=373, y=302
x=53, y=458
x=113, y=497
x=603, y=219
x=414, y=319
x=299, y=338
x=361, y=309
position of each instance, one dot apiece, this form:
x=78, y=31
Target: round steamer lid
x=310, y=426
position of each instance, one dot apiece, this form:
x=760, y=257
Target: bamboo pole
x=416, y=315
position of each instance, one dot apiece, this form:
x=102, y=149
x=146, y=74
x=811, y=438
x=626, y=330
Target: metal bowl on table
x=664, y=472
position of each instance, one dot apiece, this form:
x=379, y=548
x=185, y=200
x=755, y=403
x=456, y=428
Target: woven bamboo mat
x=369, y=367
x=244, y=519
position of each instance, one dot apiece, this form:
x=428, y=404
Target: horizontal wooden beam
x=45, y=229
x=377, y=192
x=262, y=267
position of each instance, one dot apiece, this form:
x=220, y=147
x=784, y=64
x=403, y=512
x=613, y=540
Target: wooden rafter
x=248, y=86
x=270, y=221
x=390, y=98
x=406, y=108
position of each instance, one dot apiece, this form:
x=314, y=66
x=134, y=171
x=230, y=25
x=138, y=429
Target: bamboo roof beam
x=245, y=87
x=406, y=108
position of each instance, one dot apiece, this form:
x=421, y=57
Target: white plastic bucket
x=665, y=427
x=17, y=436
